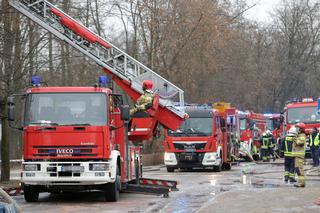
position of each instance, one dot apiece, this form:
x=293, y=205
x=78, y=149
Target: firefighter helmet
x=292, y=131
x=268, y=132
x=147, y=85
x=301, y=126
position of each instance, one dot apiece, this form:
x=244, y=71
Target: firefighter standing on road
x=299, y=147
x=271, y=146
x=145, y=100
x=288, y=158
x=314, y=145
x=264, y=141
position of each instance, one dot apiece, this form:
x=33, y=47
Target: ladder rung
x=102, y=52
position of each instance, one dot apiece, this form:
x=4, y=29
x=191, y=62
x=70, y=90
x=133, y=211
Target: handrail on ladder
x=101, y=51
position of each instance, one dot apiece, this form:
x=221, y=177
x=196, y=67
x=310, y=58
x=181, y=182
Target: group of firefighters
x=268, y=144
x=293, y=146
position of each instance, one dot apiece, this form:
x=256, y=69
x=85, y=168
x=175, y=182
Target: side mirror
x=112, y=128
x=281, y=119
x=11, y=108
x=251, y=125
x=125, y=113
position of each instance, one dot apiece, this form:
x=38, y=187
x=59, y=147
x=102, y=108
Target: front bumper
x=191, y=159
x=66, y=173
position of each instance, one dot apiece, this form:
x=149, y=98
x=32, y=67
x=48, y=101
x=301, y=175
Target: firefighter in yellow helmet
x=145, y=100
x=298, y=152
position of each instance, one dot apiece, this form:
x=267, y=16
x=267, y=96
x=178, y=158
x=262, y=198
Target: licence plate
x=189, y=150
x=72, y=168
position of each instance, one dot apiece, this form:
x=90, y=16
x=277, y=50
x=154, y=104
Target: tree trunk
x=5, y=158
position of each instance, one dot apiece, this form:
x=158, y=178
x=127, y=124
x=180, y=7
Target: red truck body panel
x=65, y=142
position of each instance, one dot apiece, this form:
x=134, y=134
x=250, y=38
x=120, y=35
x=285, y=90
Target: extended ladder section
x=114, y=61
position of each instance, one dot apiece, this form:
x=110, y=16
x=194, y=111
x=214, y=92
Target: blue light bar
x=103, y=80
x=35, y=81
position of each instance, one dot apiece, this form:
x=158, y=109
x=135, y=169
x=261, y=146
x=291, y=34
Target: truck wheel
x=170, y=169
x=112, y=190
x=227, y=166
x=217, y=168
x=31, y=193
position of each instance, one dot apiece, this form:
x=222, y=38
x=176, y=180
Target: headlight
x=99, y=167
x=169, y=156
x=211, y=156
x=31, y=167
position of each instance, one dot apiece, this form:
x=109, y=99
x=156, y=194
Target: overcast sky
x=261, y=11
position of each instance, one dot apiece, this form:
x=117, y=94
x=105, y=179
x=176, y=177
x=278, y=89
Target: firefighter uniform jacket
x=314, y=139
x=265, y=142
x=299, y=146
x=143, y=102
x=287, y=146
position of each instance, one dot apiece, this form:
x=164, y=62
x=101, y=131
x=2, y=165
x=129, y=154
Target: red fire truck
x=252, y=125
x=201, y=140
x=81, y=138
x=306, y=111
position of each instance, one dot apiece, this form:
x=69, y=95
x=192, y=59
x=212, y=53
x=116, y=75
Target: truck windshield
x=82, y=109
x=303, y=114
x=243, y=124
x=270, y=125
x=194, y=127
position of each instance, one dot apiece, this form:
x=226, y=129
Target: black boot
x=292, y=180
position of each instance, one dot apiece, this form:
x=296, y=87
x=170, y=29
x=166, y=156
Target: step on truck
x=82, y=138
x=201, y=141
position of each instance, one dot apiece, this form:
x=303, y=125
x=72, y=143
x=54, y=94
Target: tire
x=112, y=190
x=217, y=168
x=170, y=169
x=31, y=193
x=227, y=166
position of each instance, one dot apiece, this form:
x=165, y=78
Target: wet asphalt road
x=198, y=189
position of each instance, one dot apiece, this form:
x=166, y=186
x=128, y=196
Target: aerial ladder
x=126, y=72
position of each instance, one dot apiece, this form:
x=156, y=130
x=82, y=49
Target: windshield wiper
x=43, y=123
x=195, y=132
x=76, y=124
x=179, y=134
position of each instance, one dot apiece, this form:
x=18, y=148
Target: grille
x=58, y=151
x=188, y=146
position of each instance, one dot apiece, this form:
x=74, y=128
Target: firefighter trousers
x=298, y=162
x=264, y=154
x=288, y=168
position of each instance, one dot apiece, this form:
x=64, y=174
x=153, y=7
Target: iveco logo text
x=64, y=151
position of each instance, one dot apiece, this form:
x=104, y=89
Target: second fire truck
x=206, y=139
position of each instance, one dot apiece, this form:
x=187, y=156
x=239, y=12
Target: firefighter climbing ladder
x=102, y=52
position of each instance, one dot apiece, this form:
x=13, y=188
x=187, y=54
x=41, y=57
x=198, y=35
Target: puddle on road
x=258, y=183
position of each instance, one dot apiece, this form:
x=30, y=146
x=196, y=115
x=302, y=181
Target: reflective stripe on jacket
x=288, y=145
x=265, y=143
x=316, y=140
